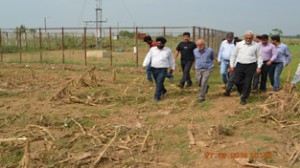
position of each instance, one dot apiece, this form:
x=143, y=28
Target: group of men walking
x=240, y=61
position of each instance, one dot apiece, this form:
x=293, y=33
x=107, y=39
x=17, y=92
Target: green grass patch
x=8, y=94
x=264, y=138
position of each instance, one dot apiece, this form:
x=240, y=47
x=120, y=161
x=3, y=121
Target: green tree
x=126, y=33
x=276, y=31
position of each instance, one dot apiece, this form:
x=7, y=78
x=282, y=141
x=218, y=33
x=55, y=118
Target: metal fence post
x=40, y=41
x=63, y=45
x=208, y=38
x=194, y=33
x=110, y=44
x=204, y=34
x=164, y=31
x=1, y=45
x=20, y=43
x=136, y=45
x=84, y=45
x=48, y=35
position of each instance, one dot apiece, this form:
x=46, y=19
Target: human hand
x=269, y=63
x=258, y=70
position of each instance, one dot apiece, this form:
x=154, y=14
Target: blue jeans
x=169, y=76
x=275, y=72
x=159, y=75
x=149, y=73
x=224, y=70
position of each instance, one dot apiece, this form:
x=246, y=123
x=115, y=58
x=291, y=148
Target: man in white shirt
x=247, y=55
x=225, y=51
x=161, y=58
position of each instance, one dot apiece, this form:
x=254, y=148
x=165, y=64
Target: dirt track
x=73, y=117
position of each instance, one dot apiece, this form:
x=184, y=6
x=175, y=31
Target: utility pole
x=98, y=23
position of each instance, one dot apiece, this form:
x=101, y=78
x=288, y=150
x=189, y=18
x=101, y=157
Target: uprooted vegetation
x=77, y=117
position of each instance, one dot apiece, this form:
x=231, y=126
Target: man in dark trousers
x=160, y=58
x=185, y=48
x=248, y=59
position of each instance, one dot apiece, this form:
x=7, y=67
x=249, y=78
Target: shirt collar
x=202, y=51
x=252, y=42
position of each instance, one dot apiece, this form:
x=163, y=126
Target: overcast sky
x=260, y=16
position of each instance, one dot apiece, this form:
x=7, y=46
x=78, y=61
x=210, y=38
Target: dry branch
x=156, y=163
x=26, y=157
x=80, y=126
x=145, y=140
x=106, y=147
x=13, y=139
x=43, y=129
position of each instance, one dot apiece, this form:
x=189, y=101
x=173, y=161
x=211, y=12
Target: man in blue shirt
x=224, y=56
x=282, y=60
x=204, y=63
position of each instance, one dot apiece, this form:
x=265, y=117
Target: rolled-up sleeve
x=171, y=61
x=147, y=59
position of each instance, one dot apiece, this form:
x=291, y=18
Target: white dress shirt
x=246, y=54
x=225, y=50
x=160, y=58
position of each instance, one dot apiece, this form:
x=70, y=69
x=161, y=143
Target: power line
x=127, y=10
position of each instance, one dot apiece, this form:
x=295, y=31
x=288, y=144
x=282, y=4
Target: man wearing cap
x=185, y=48
x=248, y=59
x=204, y=63
x=226, y=48
x=161, y=58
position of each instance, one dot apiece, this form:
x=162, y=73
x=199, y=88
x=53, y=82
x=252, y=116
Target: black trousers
x=186, y=77
x=243, y=78
x=262, y=77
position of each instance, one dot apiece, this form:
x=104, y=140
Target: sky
x=238, y=16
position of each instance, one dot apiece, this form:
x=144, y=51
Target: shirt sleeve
x=220, y=52
x=288, y=55
x=274, y=53
x=234, y=56
x=171, y=60
x=259, y=57
x=178, y=48
x=147, y=59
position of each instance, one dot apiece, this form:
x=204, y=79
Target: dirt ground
x=84, y=116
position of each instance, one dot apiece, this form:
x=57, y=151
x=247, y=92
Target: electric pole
x=98, y=23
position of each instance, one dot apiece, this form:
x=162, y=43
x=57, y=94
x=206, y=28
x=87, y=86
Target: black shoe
x=201, y=100
x=226, y=93
x=263, y=90
x=254, y=91
x=243, y=102
x=181, y=86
